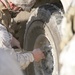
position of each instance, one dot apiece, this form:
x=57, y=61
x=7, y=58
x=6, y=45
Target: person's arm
x=26, y=58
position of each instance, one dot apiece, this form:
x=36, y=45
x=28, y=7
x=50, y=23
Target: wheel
x=42, y=32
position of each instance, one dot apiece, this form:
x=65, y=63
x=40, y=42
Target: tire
x=42, y=31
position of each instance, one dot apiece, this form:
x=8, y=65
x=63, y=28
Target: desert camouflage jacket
x=24, y=59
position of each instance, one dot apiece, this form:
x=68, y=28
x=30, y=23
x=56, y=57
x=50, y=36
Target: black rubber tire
x=45, y=20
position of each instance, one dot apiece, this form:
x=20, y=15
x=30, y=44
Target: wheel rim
x=46, y=66
x=43, y=36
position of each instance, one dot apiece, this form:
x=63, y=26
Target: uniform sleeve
x=24, y=59
x=5, y=38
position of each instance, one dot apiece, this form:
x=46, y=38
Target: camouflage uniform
x=24, y=4
x=67, y=56
x=24, y=59
x=8, y=66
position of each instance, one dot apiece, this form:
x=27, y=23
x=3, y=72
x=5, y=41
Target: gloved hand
x=38, y=55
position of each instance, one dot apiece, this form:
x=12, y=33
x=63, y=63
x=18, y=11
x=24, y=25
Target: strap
x=8, y=6
x=5, y=3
